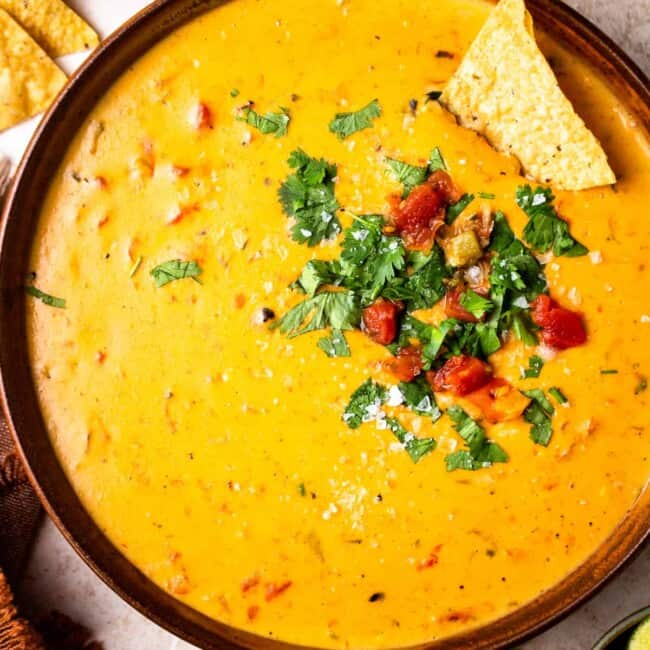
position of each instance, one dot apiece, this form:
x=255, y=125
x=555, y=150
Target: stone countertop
x=58, y=579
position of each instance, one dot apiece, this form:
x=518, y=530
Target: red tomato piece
x=561, y=327
x=442, y=181
x=422, y=213
x=407, y=363
x=499, y=400
x=453, y=308
x=419, y=216
x=379, y=321
x=461, y=375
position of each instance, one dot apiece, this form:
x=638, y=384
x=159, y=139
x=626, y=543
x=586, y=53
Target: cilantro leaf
x=276, y=123
x=419, y=397
x=411, y=175
x=337, y=309
x=308, y=197
x=425, y=286
x=538, y=413
x=475, y=304
x=535, y=364
x=502, y=236
x=364, y=404
x=490, y=453
x=545, y=230
x=317, y=273
x=468, y=429
x=408, y=175
x=454, y=210
x=45, y=298
x=345, y=124
x=361, y=239
x=175, y=270
x=334, y=345
x=480, y=453
x=558, y=395
x=522, y=326
x=436, y=160
x=415, y=447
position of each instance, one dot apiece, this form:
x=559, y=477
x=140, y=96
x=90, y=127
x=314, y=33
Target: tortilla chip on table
x=505, y=89
x=29, y=79
x=53, y=25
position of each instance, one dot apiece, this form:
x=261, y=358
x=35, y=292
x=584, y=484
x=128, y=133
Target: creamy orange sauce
x=187, y=429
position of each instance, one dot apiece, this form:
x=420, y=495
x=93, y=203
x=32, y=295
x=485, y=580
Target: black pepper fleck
x=376, y=597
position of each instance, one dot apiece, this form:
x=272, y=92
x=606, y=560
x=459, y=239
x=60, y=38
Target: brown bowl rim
x=28, y=429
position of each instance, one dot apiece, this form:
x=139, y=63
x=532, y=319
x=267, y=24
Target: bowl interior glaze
x=19, y=398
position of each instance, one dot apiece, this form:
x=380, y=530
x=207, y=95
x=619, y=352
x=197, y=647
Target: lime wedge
x=640, y=640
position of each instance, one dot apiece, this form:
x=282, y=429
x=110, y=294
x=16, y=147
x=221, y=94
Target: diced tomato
x=561, y=327
x=454, y=309
x=406, y=364
x=499, y=400
x=461, y=375
x=203, y=119
x=379, y=320
x=443, y=183
x=422, y=213
x=419, y=216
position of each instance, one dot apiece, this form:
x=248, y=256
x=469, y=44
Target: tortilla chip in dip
x=29, y=79
x=505, y=89
x=53, y=25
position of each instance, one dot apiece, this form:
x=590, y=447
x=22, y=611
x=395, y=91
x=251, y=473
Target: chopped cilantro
x=419, y=397
x=424, y=286
x=609, y=371
x=480, y=453
x=535, y=364
x=451, y=337
x=276, y=123
x=516, y=278
x=558, y=395
x=302, y=490
x=308, y=197
x=539, y=413
x=415, y=447
x=408, y=175
x=234, y=92
x=454, y=210
x=334, y=345
x=411, y=175
x=486, y=195
x=337, y=309
x=345, y=124
x=545, y=230
x=475, y=304
x=45, y=298
x=436, y=160
x=364, y=404
x=317, y=273
x=175, y=270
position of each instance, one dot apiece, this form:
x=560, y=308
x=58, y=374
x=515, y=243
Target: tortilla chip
x=29, y=79
x=53, y=25
x=505, y=89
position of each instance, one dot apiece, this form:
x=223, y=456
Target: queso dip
x=211, y=448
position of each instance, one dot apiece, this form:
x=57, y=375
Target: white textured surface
x=57, y=578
